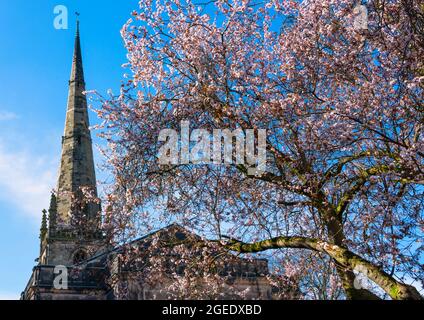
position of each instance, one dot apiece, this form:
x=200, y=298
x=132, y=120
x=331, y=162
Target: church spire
x=77, y=165
x=77, y=73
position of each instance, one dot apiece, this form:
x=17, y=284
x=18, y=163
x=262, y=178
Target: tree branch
x=345, y=258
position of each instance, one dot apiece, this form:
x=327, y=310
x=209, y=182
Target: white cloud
x=7, y=115
x=26, y=181
x=9, y=296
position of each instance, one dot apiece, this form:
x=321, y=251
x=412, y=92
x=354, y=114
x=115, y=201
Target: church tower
x=73, y=233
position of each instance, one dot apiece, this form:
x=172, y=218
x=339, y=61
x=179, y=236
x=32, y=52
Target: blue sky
x=35, y=63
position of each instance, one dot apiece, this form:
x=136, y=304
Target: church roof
x=118, y=249
x=177, y=234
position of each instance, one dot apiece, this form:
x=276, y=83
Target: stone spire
x=77, y=165
x=77, y=72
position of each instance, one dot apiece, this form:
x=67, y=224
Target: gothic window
x=180, y=236
x=80, y=256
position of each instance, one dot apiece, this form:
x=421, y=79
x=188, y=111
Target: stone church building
x=94, y=270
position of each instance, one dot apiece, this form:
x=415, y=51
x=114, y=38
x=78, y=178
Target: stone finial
x=43, y=229
x=52, y=212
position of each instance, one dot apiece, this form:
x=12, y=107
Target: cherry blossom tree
x=343, y=110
